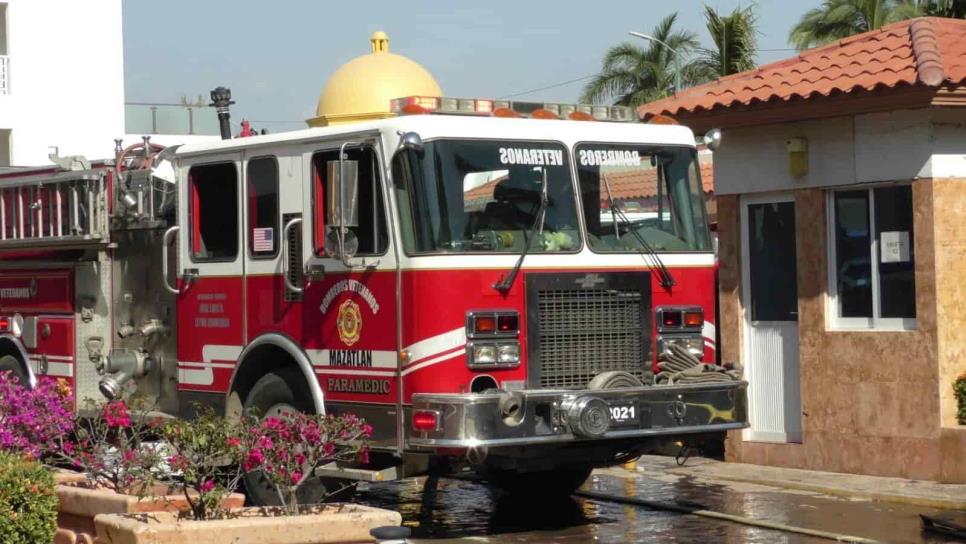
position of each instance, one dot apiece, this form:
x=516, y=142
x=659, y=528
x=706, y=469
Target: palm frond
x=837, y=19
x=632, y=74
x=735, y=38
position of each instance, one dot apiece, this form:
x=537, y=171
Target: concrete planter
x=324, y=524
x=79, y=504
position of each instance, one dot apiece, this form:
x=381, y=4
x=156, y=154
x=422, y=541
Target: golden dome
x=362, y=88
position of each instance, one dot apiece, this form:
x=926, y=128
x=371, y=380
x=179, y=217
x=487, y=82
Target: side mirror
x=342, y=203
x=411, y=141
x=712, y=139
x=342, y=193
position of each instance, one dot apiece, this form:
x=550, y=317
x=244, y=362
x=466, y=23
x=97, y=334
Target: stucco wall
x=870, y=399
x=904, y=144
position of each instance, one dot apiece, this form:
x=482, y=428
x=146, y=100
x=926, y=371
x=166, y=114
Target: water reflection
x=460, y=508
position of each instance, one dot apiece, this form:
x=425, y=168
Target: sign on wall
x=894, y=247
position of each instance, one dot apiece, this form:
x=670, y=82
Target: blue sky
x=276, y=59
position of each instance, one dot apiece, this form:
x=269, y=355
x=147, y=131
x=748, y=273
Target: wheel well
x=9, y=347
x=258, y=362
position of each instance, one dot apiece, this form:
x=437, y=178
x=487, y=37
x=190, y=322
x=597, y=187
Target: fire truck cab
x=489, y=292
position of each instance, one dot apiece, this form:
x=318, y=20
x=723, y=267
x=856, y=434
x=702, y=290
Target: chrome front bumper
x=557, y=416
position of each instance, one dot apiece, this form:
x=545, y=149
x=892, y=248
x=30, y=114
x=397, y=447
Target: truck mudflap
x=542, y=416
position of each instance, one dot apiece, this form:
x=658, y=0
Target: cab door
x=273, y=193
x=211, y=298
x=349, y=316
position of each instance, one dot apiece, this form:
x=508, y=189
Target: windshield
x=484, y=196
x=658, y=189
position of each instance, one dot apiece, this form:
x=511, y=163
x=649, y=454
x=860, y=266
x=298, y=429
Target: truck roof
x=465, y=126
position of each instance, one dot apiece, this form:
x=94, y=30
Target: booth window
x=872, y=259
x=214, y=212
x=263, y=227
x=371, y=230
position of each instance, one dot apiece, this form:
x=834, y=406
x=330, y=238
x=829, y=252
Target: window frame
x=191, y=214
x=406, y=179
x=874, y=322
x=580, y=202
x=278, y=211
x=378, y=181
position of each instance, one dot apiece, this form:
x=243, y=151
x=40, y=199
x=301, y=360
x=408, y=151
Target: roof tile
x=927, y=51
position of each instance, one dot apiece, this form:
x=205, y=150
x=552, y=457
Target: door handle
x=165, y=244
x=286, y=258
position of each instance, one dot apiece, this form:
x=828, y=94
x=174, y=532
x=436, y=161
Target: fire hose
x=678, y=365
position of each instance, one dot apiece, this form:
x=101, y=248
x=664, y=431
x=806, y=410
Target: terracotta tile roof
x=624, y=185
x=928, y=51
x=638, y=184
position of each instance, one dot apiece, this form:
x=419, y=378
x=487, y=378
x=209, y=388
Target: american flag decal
x=264, y=239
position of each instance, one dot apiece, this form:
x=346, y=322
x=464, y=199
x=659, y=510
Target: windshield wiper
x=647, y=252
x=504, y=284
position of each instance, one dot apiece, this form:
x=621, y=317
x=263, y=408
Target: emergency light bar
x=414, y=105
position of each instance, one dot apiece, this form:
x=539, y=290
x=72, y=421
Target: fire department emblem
x=349, y=322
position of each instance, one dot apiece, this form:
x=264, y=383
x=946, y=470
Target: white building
x=61, y=79
x=62, y=86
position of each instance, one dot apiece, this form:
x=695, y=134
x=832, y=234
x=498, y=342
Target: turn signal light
x=484, y=324
x=425, y=420
x=693, y=319
x=679, y=318
x=494, y=323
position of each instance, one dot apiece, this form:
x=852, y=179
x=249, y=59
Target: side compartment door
x=350, y=312
x=211, y=301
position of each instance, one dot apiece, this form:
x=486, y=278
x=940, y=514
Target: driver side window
x=371, y=231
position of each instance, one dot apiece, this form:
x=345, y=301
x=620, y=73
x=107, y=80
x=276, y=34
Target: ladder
x=64, y=209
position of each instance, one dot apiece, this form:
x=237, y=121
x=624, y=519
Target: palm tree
x=735, y=42
x=633, y=74
x=837, y=19
x=943, y=8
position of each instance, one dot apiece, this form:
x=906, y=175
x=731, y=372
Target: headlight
x=487, y=355
x=691, y=342
x=484, y=355
x=509, y=353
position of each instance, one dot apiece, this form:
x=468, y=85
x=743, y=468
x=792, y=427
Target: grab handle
x=286, y=260
x=165, y=243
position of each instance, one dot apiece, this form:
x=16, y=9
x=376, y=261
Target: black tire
x=275, y=392
x=9, y=363
x=559, y=482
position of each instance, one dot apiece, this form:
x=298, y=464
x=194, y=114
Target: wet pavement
x=468, y=511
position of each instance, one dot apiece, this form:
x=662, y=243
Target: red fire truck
x=488, y=284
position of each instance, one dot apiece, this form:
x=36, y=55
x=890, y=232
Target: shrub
x=206, y=455
x=959, y=388
x=110, y=449
x=288, y=448
x=34, y=421
x=28, y=504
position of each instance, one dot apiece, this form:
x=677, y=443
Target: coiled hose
x=678, y=365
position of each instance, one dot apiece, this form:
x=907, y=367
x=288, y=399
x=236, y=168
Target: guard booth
x=841, y=188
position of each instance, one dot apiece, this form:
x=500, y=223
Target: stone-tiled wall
x=870, y=399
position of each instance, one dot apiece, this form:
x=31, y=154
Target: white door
x=770, y=302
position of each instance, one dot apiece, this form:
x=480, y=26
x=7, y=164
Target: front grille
x=583, y=324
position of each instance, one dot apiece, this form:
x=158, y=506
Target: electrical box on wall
x=797, y=156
